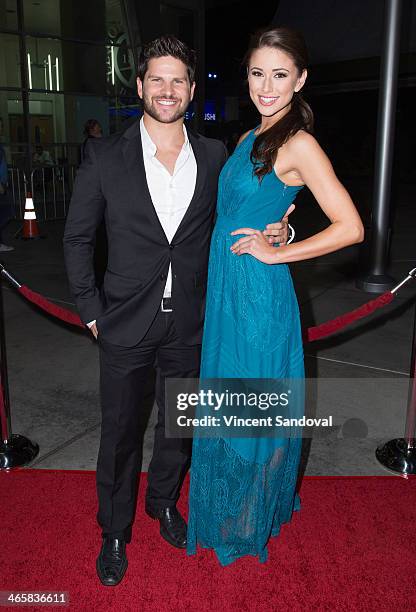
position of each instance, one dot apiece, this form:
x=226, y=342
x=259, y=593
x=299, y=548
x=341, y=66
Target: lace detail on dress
x=227, y=493
x=241, y=289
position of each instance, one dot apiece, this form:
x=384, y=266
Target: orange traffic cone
x=30, y=229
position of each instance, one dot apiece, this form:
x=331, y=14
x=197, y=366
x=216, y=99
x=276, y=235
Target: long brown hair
x=299, y=117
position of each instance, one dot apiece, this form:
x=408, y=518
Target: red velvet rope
x=53, y=309
x=330, y=327
x=311, y=334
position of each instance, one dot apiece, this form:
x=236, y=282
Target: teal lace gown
x=243, y=489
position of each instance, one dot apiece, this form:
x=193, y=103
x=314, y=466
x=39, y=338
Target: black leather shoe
x=172, y=525
x=112, y=561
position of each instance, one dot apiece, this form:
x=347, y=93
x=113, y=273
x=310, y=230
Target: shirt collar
x=149, y=146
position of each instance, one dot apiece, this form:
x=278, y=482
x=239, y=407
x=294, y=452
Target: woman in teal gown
x=243, y=489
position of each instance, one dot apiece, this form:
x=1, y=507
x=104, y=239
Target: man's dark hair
x=165, y=46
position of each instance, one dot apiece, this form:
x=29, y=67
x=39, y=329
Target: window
x=58, y=65
x=78, y=66
x=9, y=61
x=8, y=15
x=44, y=63
x=89, y=20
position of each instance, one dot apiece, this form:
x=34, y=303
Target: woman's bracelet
x=291, y=235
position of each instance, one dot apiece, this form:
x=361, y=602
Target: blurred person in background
x=42, y=157
x=92, y=129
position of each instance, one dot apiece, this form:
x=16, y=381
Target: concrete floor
x=53, y=367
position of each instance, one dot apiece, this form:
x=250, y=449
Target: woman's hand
x=278, y=232
x=256, y=244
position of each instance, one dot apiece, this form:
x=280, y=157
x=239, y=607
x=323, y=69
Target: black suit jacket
x=111, y=183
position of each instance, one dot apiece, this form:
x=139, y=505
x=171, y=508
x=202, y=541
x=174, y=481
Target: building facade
x=63, y=62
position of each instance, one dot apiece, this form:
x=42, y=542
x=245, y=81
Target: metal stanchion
x=399, y=455
x=376, y=279
x=15, y=450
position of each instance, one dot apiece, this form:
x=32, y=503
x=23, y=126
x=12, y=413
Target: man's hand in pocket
x=94, y=330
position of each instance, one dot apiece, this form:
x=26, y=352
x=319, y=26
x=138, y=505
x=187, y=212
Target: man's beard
x=152, y=111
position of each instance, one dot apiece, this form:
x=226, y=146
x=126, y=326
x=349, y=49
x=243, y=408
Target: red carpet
x=351, y=547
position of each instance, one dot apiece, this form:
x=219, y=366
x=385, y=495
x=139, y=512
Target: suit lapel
x=133, y=157
x=201, y=163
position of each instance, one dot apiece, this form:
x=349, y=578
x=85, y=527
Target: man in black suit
x=155, y=185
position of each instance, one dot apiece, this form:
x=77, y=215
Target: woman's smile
x=268, y=100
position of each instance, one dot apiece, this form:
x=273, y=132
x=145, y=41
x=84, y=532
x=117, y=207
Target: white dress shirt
x=171, y=193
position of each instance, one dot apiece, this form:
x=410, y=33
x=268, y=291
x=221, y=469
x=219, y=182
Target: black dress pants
x=123, y=375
